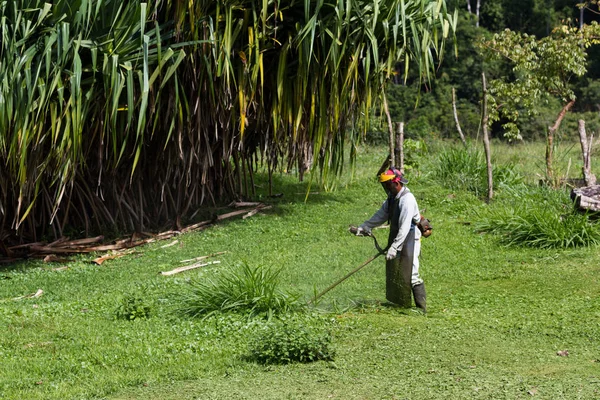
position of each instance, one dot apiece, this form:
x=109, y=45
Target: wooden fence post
x=586, y=151
x=400, y=145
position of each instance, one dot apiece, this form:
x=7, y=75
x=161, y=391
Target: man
x=404, y=242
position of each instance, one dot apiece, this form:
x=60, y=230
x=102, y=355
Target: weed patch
x=539, y=217
x=292, y=338
x=466, y=169
x=132, y=307
x=244, y=289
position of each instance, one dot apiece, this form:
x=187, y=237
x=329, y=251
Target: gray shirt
x=409, y=217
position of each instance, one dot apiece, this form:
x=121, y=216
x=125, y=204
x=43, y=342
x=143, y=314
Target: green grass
x=496, y=315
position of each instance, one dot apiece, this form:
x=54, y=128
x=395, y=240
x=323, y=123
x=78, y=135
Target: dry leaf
x=562, y=353
x=100, y=260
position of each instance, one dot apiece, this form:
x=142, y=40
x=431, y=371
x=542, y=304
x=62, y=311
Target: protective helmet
x=392, y=174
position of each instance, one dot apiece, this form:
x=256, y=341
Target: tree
x=127, y=115
x=541, y=67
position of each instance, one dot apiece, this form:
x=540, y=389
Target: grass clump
x=466, y=169
x=245, y=289
x=133, y=307
x=539, y=217
x=292, y=338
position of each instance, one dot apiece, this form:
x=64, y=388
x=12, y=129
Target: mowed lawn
x=503, y=323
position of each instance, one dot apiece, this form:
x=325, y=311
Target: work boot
x=420, y=297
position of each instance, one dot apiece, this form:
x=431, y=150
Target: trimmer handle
x=354, y=230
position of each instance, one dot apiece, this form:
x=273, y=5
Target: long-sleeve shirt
x=408, y=218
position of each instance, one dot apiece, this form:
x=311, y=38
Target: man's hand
x=360, y=231
x=391, y=253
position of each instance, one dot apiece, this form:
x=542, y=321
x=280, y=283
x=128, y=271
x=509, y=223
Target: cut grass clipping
x=292, y=338
x=466, y=169
x=539, y=217
x=241, y=289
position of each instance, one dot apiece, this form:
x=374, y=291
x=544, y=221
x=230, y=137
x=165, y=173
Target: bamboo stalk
x=189, y=267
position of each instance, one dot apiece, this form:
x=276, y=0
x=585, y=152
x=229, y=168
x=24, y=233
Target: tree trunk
x=390, y=127
x=460, y=132
x=400, y=146
x=550, y=140
x=486, y=139
x=586, y=151
x=469, y=6
x=477, y=12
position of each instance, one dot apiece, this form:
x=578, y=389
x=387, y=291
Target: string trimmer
x=380, y=251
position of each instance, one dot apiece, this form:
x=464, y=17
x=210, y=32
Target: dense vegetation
x=433, y=116
x=128, y=115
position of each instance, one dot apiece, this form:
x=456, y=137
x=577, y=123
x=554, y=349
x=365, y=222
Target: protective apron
x=398, y=271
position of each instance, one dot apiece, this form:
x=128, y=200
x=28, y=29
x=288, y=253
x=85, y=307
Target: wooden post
x=460, y=132
x=486, y=139
x=400, y=145
x=390, y=127
x=586, y=151
x=550, y=141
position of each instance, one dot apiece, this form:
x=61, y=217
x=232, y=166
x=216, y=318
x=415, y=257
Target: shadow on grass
x=367, y=306
x=286, y=189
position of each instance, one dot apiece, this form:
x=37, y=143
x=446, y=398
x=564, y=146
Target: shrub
x=539, y=217
x=414, y=152
x=238, y=289
x=466, y=169
x=292, y=338
x=132, y=307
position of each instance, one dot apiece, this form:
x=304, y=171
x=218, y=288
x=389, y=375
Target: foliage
x=242, y=289
x=539, y=217
x=463, y=73
x=132, y=307
x=540, y=67
x=292, y=338
x=466, y=169
x=128, y=114
x=414, y=153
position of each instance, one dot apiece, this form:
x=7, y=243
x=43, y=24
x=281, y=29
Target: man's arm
x=377, y=219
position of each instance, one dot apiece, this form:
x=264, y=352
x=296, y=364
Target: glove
x=360, y=231
x=391, y=253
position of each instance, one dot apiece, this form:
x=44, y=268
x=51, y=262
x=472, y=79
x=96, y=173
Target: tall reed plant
x=129, y=114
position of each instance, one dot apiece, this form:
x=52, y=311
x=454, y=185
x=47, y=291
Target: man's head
x=392, y=180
